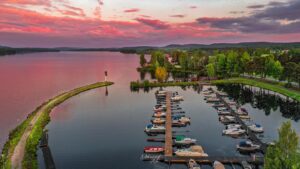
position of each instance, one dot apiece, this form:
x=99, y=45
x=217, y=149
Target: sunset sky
x=117, y=23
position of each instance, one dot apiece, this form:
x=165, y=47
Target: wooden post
x=105, y=76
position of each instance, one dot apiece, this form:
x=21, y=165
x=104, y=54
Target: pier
x=168, y=126
x=252, y=136
x=48, y=159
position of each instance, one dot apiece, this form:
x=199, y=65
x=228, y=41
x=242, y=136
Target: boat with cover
x=256, y=128
x=193, y=151
x=182, y=119
x=218, y=165
x=247, y=146
x=192, y=164
x=152, y=128
x=234, y=132
x=153, y=149
x=182, y=140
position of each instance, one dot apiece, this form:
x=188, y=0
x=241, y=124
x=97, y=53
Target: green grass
x=147, y=84
x=30, y=157
x=276, y=87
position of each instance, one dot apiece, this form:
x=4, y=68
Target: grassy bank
x=276, y=87
x=147, y=84
x=42, y=115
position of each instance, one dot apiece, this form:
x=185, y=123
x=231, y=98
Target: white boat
x=247, y=146
x=256, y=128
x=227, y=119
x=182, y=140
x=177, y=98
x=221, y=108
x=158, y=121
x=218, y=165
x=224, y=113
x=152, y=128
x=192, y=164
x=159, y=114
x=188, y=153
x=234, y=132
x=236, y=126
x=222, y=93
x=246, y=117
x=212, y=99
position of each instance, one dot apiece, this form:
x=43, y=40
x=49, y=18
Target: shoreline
x=20, y=149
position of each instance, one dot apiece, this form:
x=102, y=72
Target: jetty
x=251, y=135
x=168, y=126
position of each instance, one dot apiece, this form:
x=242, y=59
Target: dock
x=168, y=126
x=252, y=136
x=48, y=159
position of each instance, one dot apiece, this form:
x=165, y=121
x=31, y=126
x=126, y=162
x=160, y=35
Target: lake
x=103, y=128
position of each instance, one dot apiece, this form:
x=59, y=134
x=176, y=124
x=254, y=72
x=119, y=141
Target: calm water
x=103, y=128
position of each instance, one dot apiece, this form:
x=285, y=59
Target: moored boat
x=234, y=132
x=182, y=140
x=218, y=165
x=256, y=128
x=159, y=114
x=151, y=128
x=247, y=146
x=236, y=126
x=242, y=111
x=153, y=149
x=192, y=164
x=193, y=151
x=227, y=119
x=158, y=121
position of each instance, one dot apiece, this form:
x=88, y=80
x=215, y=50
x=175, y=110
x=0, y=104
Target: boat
x=246, y=117
x=152, y=128
x=153, y=149
x=216, y=105
x=182, y=140
x=192, y=164
x=234, y=132
x=224, y=113
x=158, y=121
x=176, y=123
x=182, y=119
x=242, y=111
x=247, y=146
x=221, y=108
x=232, y=103
x=193, y=151
x=177, y=98
x=159, y=114
x=256, y=128
x=218, y=165
x=222, y=94
x=188, y=153
x=213, y=99
x=227, y=119
x=236, y=126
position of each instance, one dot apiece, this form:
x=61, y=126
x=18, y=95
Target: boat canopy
x=180, y=138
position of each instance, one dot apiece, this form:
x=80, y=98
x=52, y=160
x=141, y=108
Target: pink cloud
x=156, y=24
x=177, y=16
x=193, y=7
x=132, y=10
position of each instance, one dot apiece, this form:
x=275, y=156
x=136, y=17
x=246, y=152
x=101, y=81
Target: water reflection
x=265, y=100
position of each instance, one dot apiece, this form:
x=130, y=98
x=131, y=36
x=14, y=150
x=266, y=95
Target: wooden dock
x=168, y=126
x=252, y=136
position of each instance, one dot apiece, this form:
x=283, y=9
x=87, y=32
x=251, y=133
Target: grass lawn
x=276, y=87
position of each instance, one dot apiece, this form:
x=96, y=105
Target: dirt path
x=17, y=157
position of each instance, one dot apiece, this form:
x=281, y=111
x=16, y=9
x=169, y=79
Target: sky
x=121, y=23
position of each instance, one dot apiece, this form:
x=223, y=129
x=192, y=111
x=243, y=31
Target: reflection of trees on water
x=265, y=100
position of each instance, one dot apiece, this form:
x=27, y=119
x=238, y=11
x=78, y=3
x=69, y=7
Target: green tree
x=143, y=61
x=245, y=59
x=161, y=74
x=285, y=153
x=221, y=65
x=277, y=70
x=210, y=68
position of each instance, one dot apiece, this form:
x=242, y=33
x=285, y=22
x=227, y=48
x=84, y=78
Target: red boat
x=153, y=149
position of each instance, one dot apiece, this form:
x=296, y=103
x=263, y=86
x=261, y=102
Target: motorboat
x=177, y=98
x=221, y=108
x=153, y=149
x=152, y=128
x=242, y=111
x=247, y=146
x=227, y=119
x=213, y=99
x=224, y=113
x=182, y=140
x=234, y=132
x=218, y=165
x=235, y=126
x=222, y=94
x=245, y=117
x=188, y=153
x=232, y=103
x=176, y=123
x=158, y=121
x=256, y=128
x=216, y=105
x=192, y=164
x=182, y=119
x=159, y=114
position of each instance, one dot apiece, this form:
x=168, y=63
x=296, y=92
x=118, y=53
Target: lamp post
x=105, y=76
